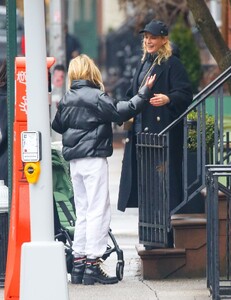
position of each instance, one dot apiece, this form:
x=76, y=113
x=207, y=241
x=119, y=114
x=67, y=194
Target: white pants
x=90, y=181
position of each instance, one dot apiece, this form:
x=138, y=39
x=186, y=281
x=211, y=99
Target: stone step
x=160, y=263
x=189, y=231
x=186, y=259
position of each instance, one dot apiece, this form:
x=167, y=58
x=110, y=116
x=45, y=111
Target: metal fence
x=152, y=192
x=218, y=283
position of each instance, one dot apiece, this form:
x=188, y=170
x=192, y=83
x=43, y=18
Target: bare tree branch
x=211, y=34
x=166, y=10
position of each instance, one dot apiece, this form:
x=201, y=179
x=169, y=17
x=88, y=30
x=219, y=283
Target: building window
x=215, y=9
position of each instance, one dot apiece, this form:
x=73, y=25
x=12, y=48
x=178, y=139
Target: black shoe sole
x=92, y=281
x=76, y=279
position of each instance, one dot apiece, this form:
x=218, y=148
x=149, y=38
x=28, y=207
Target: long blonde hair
x=83, y=67
x=163, y=53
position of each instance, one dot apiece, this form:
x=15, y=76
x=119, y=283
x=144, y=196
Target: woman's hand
x=150, y=81
x=159, y=100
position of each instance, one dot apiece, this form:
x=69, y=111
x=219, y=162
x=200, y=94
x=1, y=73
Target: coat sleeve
x=57, y=122
x=180, y=92
x=111, y=110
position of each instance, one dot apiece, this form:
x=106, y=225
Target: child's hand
x=150, y=81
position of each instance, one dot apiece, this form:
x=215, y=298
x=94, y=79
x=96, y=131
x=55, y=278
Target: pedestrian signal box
x=31, y=146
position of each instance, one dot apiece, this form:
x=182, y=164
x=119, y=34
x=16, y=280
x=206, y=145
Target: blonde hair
x=163, y=53
x=83, y=67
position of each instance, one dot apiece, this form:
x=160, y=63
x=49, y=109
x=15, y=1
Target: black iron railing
x=154, y=196
x=212, y=95
x=218, y=282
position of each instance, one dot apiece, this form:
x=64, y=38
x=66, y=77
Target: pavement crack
x=150, y=288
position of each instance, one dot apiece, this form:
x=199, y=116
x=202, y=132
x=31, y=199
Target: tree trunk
x=211, y=34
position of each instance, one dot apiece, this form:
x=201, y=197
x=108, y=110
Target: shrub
x=182, y=36
x=192, y=132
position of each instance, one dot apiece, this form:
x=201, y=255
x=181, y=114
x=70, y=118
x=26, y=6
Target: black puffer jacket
x=84, y=119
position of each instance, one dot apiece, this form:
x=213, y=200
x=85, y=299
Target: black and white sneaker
x=78, y=270
x=95, y=273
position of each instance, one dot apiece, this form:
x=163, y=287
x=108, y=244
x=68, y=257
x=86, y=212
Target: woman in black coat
x=3, y=125
x=172, y=95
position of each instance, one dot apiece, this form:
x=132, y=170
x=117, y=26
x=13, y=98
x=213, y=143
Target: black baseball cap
x=156, y=28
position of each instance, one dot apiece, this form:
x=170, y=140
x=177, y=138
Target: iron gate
x=153, y=183
x=219, y=284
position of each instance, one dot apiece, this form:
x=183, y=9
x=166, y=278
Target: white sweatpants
x=90, y=181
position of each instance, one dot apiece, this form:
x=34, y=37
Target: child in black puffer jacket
x=84, y=118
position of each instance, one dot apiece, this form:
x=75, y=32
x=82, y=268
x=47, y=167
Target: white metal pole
x=41, y=205
x=42, y=260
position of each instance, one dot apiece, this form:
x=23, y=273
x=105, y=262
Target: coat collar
x=156, y=69
x=77, y=84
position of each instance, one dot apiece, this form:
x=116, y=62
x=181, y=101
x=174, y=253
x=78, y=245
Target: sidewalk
x=125, y=229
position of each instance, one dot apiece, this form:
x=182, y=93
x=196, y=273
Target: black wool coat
x=171, y=80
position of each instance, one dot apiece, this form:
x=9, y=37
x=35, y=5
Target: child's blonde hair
x=163, y=53
x=83, y=67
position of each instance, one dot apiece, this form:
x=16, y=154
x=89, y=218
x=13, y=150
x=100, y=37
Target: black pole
x=11, y=54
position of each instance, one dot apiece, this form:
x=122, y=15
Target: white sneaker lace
x=102, y=271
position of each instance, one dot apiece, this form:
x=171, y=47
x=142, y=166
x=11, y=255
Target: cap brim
x=149, y=31
x=142, y=31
